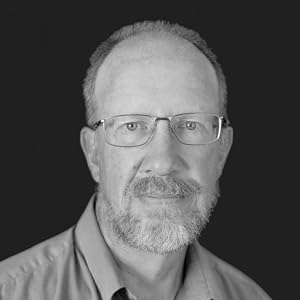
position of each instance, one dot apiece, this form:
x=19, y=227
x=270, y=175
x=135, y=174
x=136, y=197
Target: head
x=158, y=196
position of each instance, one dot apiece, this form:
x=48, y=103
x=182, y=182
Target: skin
x=161, y=76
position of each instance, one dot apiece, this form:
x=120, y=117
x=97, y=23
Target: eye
x=132, y=126
x=190, y=125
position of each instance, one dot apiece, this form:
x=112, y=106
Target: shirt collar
x=106, y=272
x=195, y=285
x=96, y=253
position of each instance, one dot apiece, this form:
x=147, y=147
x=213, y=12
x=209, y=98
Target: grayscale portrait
x=157, y=136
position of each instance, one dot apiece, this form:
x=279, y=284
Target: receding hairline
x=163, y=27
x=144, y=46
x=143, y=39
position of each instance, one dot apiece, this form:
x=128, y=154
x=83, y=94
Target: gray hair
x=103, y=50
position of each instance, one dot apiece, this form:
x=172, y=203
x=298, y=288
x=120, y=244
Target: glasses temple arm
x=225, y=122
x=96, y=125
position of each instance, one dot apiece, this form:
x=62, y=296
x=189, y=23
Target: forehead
x=155, y=74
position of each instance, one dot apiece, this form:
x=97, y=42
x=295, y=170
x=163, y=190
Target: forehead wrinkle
x=143, y=49
x=126, y=74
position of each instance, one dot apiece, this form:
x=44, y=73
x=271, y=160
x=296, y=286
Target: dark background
x=45, y=183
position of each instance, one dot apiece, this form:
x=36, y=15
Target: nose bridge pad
x=155, y=128
x=172, y=130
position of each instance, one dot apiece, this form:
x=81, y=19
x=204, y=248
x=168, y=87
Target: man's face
x=156, y=197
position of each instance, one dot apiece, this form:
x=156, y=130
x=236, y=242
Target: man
x=156, y=145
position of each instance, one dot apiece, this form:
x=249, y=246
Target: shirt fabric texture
x=77, y=264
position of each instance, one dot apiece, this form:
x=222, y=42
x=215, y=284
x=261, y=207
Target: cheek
x=203, y=164
x=116, y=172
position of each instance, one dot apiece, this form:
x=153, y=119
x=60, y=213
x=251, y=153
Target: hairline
x=109, y=45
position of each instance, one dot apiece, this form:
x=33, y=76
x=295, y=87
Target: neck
x=147, y=275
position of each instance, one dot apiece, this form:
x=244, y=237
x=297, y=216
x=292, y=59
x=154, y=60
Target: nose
x=163, y=152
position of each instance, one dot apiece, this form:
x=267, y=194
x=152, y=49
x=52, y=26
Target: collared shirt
x=78, y=264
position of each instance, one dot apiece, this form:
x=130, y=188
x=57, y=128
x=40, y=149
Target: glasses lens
x=196, y=129
x=129, y=130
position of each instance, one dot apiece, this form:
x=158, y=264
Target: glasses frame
x=223, y=123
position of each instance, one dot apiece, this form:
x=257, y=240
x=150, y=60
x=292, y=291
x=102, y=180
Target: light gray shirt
x=78, y=264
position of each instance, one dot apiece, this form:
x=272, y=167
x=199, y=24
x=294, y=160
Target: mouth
x=160, y=196
x=161, y=199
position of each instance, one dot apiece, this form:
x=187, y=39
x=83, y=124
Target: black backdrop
x=45, y=183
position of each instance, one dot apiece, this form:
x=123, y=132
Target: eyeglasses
x=135, y=130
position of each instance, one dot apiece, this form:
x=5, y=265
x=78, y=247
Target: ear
x=89, y=145
x=225, y=143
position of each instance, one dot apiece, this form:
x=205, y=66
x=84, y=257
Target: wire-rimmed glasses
x=134, y=130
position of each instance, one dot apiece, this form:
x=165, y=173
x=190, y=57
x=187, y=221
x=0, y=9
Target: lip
x=161, y=196
x=160, y=200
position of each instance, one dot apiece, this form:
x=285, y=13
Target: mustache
x=162, y=186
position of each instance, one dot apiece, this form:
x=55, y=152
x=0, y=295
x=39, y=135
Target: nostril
x=162, y=160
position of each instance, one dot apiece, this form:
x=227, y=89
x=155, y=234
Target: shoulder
x=226, y=279
x=37, y=261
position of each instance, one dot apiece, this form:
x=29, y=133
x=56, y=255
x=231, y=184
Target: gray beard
x=164, y=230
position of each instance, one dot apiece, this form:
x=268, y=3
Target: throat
x=156, y=277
